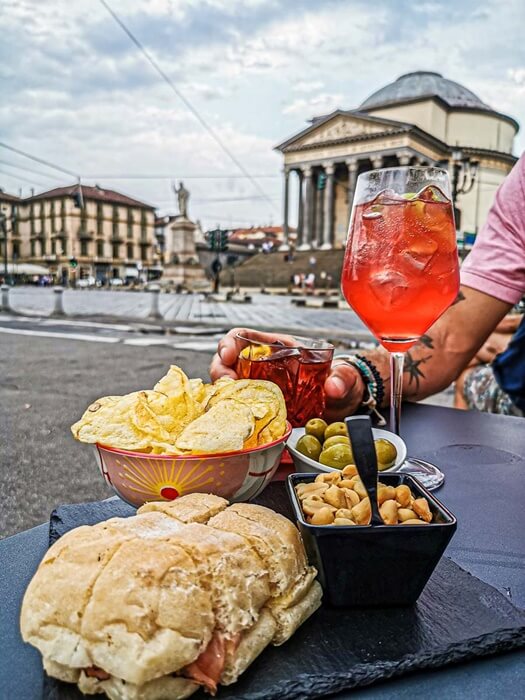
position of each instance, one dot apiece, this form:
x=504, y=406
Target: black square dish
x=387, y=565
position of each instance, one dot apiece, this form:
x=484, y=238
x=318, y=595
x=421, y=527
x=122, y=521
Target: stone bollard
x=59, y=305
x=5, y=299
x=154, y=290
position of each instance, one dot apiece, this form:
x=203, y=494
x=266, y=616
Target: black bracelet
x=380, y=385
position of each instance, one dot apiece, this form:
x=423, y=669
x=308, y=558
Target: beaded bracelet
x=374, y=385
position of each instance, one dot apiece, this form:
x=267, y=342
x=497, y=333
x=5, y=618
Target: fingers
x=219, y=369
x=344, y=391
x=229, y=347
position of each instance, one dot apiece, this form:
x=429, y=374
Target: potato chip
x=183, y=416
x=110, y=423
x=223, y=428
x=266, y=401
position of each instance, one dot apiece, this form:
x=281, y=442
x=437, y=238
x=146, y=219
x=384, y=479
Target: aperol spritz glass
x=401, y=269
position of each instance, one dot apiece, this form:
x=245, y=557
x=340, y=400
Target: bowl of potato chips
x=184, y=436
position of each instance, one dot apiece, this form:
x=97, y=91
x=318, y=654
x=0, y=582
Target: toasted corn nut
x=404, y=514
x=343, y=521
x=403, y=495
x=352, y=481
x=360, y=489
x=385, y=493
x=329, y=478
x=324, y=516
x=420, y=506
x=346, y=484
x=305, y=490
x=414, y=521
x=335, y=496
x=344, y=513
x=361, y=512
x=349, y=471
x=388, y=512
x=314, y=503
x=352, y=499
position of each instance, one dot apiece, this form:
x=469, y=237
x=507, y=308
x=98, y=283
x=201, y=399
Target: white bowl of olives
x=321, y=447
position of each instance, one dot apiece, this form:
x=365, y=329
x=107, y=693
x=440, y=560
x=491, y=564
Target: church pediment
x=336, y=128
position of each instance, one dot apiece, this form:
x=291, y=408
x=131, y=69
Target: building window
x=100, y=218
x=32, y=248
x=115, y=222
x=130, y=223
x=84, y=248
x=32, y=219
x=143, y=222
x=116, y=250
x=129, y=251
x=63, y=214
x=100, y=249
x=53, y=246
x=16, y=249
x=42, y=219
x=52, y=216
x=42, y=246
x=143, y=253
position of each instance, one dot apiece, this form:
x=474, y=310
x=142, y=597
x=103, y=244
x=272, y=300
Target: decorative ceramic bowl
x=307, y=465
x=238, y=476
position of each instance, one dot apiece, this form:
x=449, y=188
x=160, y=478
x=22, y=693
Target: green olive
x=335, y=429
x=386, y=454
x=315, y=427
x=337, y=456
x=309, y=446
x=336, y=440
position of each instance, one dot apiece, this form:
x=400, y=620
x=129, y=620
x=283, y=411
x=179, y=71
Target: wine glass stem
x=397, y=360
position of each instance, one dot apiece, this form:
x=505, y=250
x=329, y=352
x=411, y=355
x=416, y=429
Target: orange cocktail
x=401, y=264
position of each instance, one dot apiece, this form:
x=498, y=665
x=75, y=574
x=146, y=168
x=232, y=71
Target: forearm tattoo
x=413, y=366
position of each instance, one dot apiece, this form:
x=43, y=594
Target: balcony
x=84, y=235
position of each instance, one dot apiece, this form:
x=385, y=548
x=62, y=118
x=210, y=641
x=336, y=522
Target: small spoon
x=360, y=433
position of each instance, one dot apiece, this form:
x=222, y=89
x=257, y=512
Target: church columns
x=328, y=230
x=403, y=158
x=300, y=207
x=352, y=179
x=317, y=235
x=285, y=245
x=307, y=210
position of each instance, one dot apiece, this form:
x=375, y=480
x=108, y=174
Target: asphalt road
x=45, y=385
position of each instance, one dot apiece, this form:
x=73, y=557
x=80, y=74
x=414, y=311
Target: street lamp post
x=464, y=173
x=3, y=227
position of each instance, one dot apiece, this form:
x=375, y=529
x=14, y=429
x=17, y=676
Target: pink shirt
x=496, y=264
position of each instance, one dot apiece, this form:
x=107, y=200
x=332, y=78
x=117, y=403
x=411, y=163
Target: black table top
x=483, y=457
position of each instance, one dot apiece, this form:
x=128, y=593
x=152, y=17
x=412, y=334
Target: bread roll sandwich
x=183, y=595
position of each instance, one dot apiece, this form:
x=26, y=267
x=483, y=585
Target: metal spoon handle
x=360, y=433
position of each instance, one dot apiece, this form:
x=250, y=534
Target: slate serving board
x=457, y=618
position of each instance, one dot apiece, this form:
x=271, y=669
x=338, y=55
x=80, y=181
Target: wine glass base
x=428, y=474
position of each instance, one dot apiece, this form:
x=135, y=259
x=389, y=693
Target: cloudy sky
x=76, y=91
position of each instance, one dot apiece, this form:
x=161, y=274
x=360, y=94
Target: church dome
x=424, y=84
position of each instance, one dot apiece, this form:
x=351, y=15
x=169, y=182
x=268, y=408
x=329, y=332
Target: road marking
x=67, y=336
x=86, y=324
x=146, y=341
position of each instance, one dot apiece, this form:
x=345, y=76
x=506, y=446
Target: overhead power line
x=16, y=176
x=39, y=160
x=29, y=170
x=188, y=104
x=173, y=177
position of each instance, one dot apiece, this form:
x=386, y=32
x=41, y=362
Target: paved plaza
x=265, y=311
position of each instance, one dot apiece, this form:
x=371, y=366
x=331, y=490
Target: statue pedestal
x=182, y=262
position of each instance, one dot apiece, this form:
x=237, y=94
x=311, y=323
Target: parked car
x=86, y=282
x=116, y=282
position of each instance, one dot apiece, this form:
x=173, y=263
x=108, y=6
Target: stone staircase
x=271, y=271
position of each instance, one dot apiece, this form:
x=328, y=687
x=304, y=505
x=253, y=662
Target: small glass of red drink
x=299, y=367
x=401, y=267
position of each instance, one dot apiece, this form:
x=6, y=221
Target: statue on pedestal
x=182, y=197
